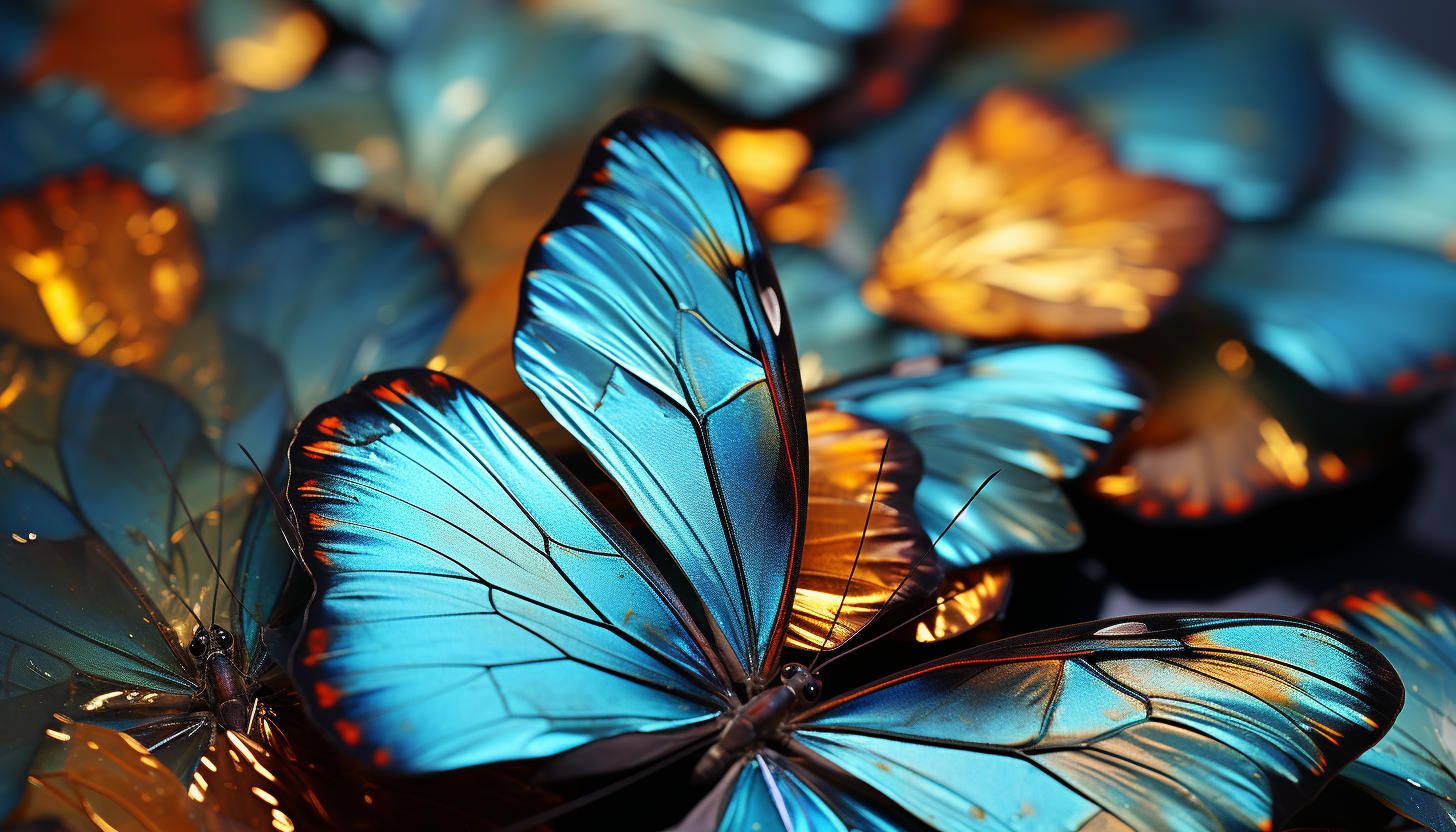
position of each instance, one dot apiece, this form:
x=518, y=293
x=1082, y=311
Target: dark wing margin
x=653, y=327
x=1413, y=769
x=1187, y=722
x=474, y=603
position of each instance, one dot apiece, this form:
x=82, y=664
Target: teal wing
x=1038, y=414
x=653, y=328
x=1167, y=722
x=1413, y=769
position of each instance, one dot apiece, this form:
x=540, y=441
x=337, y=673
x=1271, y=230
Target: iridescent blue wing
x=1239, y=108
x=1356, y=319
x=653, y=328
x=474, y=603
x=1167, y=722
x=476, y=86
x=1038, y=414
x=1395, y=179
x=32, y=511
x=262, y=570
x=769, y=793
x=338, y=292
x=763, y=57
x=1413, y=769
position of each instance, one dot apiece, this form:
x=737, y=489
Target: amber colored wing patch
x=142, y=54
x=845, y=454
x=967, y=598
x=94, y=266
x=1021, y=224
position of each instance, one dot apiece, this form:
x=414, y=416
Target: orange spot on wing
x=1327, y=618
x=1423, y=598
x=440, y=380
x=1403, y=381
x=387, y=395
x=319, y=522
x=321, y=449
x=545, y=238
x=325, y=694
x=317, y=640
x=602, y=175
x=347, y=731
x=402, y=387
x=330, y=425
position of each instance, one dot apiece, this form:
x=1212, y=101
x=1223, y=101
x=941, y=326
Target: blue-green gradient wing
x=474, y=602
x=1167, y=722
x=652, y=326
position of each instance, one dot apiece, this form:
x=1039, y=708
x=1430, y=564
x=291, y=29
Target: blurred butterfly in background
x=652, y=327
x=1413, y=769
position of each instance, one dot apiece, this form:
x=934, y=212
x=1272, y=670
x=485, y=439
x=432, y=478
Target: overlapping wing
x=474, y=603
x=1413, y=769
x=1038, y=414
x=1322, y=306
x=1168, y=722
x=338, y=292
x=653, y=328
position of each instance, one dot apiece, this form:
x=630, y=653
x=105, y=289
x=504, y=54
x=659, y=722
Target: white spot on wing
x=1126, y=628
x=770, y=301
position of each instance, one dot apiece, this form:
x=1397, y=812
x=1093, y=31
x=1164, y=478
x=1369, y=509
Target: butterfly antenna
x=190, y=520
x=220, y=489
x=280, y=514
x=591, y=797
x=913, y=567
x=849, y=581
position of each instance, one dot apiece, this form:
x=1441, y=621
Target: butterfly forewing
x=474, y=602
x=653, y=328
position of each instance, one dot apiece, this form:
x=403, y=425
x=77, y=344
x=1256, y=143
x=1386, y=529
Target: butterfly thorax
x=226, y=687
x=757, y=721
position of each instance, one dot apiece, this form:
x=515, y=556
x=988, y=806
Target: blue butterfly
x=1413, y=769
x=475, y=603
x=107, y=580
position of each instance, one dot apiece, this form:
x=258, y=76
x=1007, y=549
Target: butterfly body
x=227, y=689
x=756, y=722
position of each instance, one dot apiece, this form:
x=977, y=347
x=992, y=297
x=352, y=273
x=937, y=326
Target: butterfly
x=116, y=529
x=1412, y=769
x=474, y=603
x=1022, y=224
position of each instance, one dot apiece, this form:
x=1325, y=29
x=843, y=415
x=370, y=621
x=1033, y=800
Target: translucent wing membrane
x=1413, y=769
x=770, y=793
x=1164, y=722
x=1022, y=224
x=474, y=602
x=653, y=328
x=338, y=292
x=1038, y=414
x=853, y=461
x=1323, y=307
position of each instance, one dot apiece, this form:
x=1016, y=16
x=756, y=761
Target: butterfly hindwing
x=474, y=602
x=653, y=328
x=1413, y=769
x=1181, y=722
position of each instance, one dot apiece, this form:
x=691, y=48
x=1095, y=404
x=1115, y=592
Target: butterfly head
x=801, y=681
x=209, y=642
x=227, y=689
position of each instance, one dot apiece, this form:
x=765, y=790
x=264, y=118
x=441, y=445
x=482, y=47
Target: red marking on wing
x=347, y=731
x=1403, y=381
x=402, y=387
x=387, y=395
x=318, y=522
x=330, y=425
x=1424, y=598
x=440, y=380
x=1327, y=618
x=545, y=238
x=602, y=175
x=325, y=694
x=381, y=757
x=321, y=449
x=322, y=557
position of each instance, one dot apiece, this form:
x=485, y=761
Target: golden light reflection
x=764, y=161
x=142, y=55
x=98, y=779
x=1233, y=357
x=277, y=57
x=1022, y=224
x=809, y=213
x=971, y=597
x=845, y=455
x=94, y=266
x=1207, y=449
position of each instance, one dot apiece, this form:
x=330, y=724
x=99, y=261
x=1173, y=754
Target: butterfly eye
x=811, y=690
x=223, y=638
x=198, y=646
x=791, y=670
